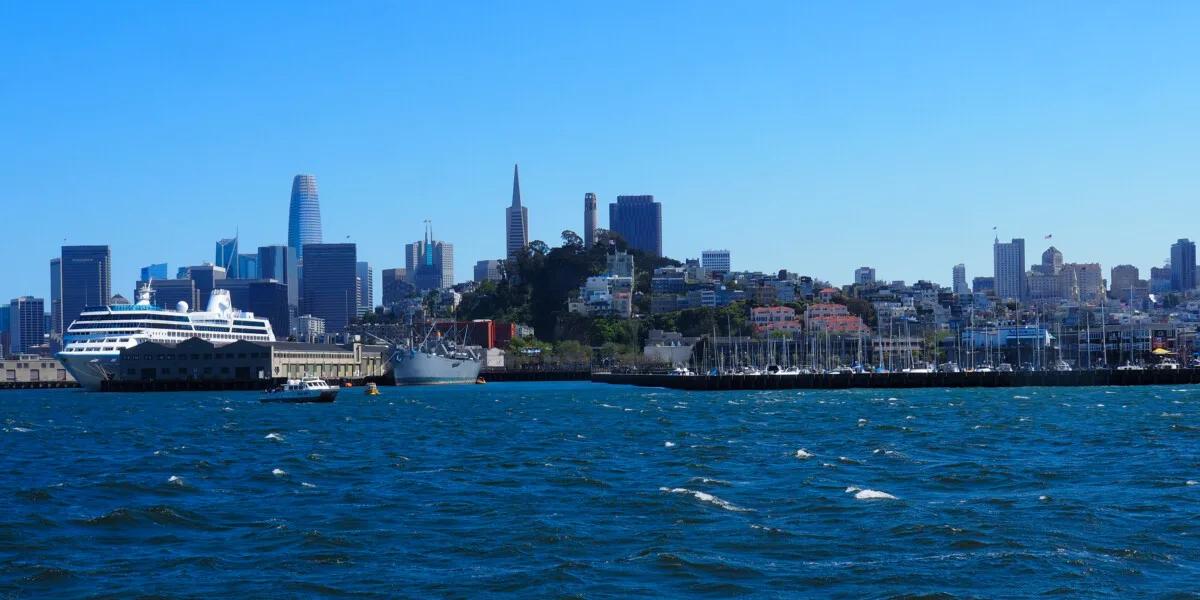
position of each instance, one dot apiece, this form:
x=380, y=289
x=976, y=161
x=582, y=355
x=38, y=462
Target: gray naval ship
x=434, y=360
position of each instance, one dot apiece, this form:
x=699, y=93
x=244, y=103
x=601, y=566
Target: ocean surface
x=588, y=490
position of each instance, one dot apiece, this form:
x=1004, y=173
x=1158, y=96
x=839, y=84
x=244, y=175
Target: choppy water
x=550, y=489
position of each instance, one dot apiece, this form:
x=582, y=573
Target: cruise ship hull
x=411, y=367
x=89, y=370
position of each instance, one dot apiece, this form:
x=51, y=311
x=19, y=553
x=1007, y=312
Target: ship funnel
x=219, y=302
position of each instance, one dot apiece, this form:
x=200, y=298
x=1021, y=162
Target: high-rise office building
x=330, y=284
x=27, y=322
x=864, y=276
x=395, y=285
x=154, y=272
x=5, y=323
x=516, y=221
x=247, y=266
x=279, y=263
x=716, y=262
x=960, y=280
x=1122, y=280
x=266, y=298
x=487, y=270
x=638, y=220
x=56, y=324
x=1009, y=269
x=429, y=263
x=366, y=287
x=168, y=293
x=1183, y=265
x=1052, y=262
x=207, y=278
x=590, y=219
x=226, y=256
x=86, y=279
x=983, y=285
x=304, y=215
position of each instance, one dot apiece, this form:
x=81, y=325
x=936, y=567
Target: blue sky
x=810, y=136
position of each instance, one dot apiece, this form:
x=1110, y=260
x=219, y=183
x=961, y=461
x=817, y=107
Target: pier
x=710, y=383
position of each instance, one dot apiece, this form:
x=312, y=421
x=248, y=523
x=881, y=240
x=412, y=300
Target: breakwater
x=499, y=375
x=903, y=380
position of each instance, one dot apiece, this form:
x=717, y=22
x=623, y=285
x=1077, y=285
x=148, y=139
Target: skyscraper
x=960, y=280
x=429, y=263
x=56, y=324
x=366, y=287
x=247, y=265
x=589, y=219
x=1122, y=280
x=638, y=220
x=395, y=285
x=226, y=256
x=266, y=298
x=1183, y=265
x=516, y=221
x=86, y=279
x=155, y=271
x=330, y=284
x=27, y=322
x=304, y=215
x=279, y=263
x=487, y=270
x=207, y=278
x=1009, y=269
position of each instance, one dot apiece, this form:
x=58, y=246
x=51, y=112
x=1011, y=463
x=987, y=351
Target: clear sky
x=816, y=137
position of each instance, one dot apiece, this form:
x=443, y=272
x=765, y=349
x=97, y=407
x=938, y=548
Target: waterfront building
x=716, y=262
x=226, y=256
x=395, y=286
x=864, y=276
x=329, y=287
x=960, y=280
x=32, y=368
x=201, y=360
x=1009, y=269
x=304, y=215
x=487, y=270
x=590, y=219
x=86, y=279
x=5, y=321
x=155, y=271
x=366, y=287
x=429, y=263
x=280, y=263
x=26, y=326
x=1183, y=265
x=516, y=221
x=638, y=220
x=833, y=318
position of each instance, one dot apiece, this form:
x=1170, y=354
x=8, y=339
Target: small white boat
x=1167, y=364
x=309, y=389
x=1130, y=367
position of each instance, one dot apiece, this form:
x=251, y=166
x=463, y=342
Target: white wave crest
x=861, y=494
x=273, y=436
x=175, y=480
x=1190, y=482
x=278, y=472
x=307, y=484
x=803, y=454
x=705, y=497
x=668, y=444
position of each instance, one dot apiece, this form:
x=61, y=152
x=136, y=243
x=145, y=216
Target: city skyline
x=778, y=131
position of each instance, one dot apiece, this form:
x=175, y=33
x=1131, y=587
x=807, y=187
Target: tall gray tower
x=516, y=221
x=589, y=219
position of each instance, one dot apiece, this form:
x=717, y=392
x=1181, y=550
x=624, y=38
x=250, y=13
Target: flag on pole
x=1049, y=235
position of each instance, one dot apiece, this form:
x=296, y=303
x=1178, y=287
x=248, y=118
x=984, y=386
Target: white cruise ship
x=93, y=342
